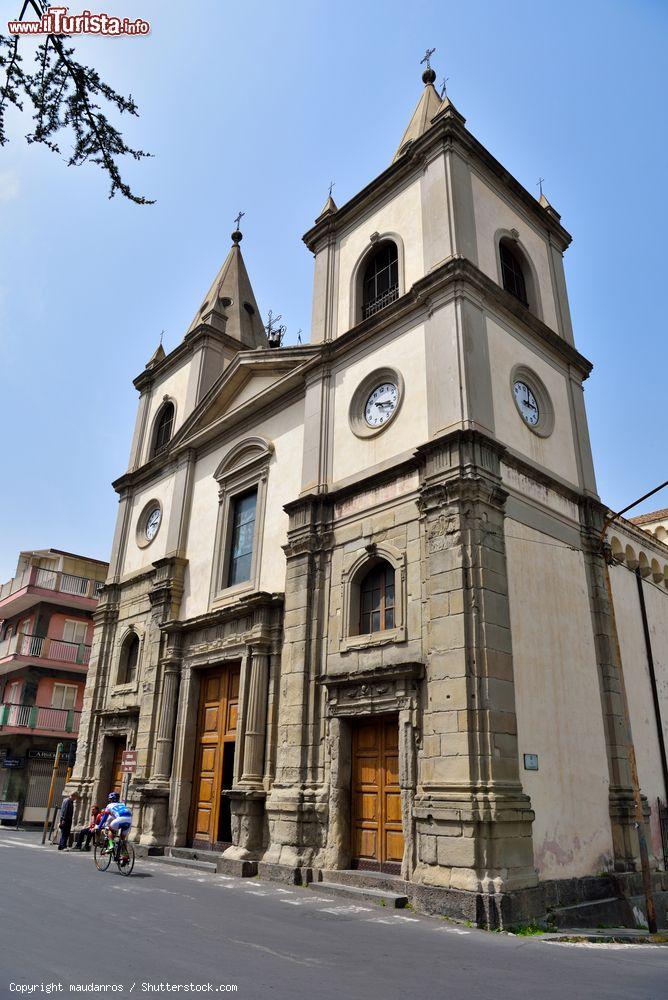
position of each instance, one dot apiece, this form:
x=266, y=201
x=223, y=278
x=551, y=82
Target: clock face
x=527, y=403
x=152, y=523
x=381, y=404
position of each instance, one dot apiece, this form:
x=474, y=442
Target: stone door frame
x=372, y=694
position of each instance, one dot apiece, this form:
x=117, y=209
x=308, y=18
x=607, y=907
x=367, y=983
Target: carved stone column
x=256, y=718
x=169, y=697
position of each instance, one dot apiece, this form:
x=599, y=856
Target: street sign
x=129, y=762
x=13, y=762
x=9, y=810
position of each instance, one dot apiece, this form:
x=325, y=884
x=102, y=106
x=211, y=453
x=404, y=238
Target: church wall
x=402, y=215
x=351, y=454
x=175, y=385
x=555, y=452
x=637, y=679
x=558, y=704
x=136, y=557
x=493, y=213
x=285, y=431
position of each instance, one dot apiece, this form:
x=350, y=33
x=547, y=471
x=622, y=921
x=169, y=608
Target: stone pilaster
x=297, y=806
x=255, y=737
x=622, y=806
x=473, y=819
x=169, y=697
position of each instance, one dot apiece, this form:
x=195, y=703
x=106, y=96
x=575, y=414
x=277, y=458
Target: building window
x=241, y=538
x=377, y=600
x=512, y=272
x=75, y=632
x=64, y=696
x=163, y=428
x=380, y=285
x=127, y=667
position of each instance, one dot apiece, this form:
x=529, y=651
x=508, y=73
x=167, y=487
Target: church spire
x=427, y=108
x=230, y=304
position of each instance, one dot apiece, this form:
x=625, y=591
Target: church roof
x=230, y=304
x=427, y=108
x=654, y=515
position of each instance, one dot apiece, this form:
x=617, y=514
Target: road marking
x=336, y=910
x=408, y=920
x=310, y=962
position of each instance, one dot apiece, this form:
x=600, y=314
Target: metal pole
x=652, y=678
x=52, y=787
x=635, y=782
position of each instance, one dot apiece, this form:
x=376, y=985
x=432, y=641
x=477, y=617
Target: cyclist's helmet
x=113, y=797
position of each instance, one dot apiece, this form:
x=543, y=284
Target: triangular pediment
x=253, y=380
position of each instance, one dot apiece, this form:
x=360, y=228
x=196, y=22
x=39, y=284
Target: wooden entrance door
x=377, y=833
x=214, y=760
x=117, y=775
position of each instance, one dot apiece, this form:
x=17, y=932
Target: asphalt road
x=62, y=921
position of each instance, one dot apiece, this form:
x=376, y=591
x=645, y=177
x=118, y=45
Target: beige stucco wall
x=558, y=704
x=137, y=558
x=402, y=215
x=637, y=679
x=555, y=453
x=493, y=213
x=351, y=454
x=175, y=385
x=285, y=431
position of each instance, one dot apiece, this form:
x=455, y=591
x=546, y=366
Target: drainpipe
x=652, y=677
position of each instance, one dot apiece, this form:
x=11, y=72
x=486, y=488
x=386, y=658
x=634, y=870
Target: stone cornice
x=257, y=601
x=189, y=344
x=448, y=130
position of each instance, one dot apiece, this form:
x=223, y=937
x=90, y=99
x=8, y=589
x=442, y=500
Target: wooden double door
x=376, y=820
x=210, y=818
x=117, y=775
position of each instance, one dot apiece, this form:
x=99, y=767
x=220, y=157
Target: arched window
x=377, y=599
x=163, y=427
x=380, y=284
x=127, y=667
x=512, y=271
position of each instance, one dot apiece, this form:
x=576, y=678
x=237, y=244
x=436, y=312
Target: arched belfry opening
x=164, y=427
x=380, y=279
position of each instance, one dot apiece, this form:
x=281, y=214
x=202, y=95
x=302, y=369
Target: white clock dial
x=527, y=403
x=381, y=404
x=152, y=523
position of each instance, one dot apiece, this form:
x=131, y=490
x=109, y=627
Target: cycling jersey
x=116, y=811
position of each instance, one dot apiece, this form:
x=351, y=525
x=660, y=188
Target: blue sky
x=257, y=106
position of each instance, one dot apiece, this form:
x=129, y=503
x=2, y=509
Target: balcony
x=48, y=652
x=38, y=719
x=36, y=584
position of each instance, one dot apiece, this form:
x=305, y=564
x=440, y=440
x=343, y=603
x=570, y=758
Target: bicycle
x=113, y=848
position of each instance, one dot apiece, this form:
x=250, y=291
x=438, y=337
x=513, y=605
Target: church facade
x=360, y=613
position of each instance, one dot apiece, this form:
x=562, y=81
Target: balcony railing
x=33, y=717
x=375, y=305
x=44, y=648
x=51, y=579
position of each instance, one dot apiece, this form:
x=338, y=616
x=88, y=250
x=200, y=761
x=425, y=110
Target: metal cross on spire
x=275, y=332
x=427, y=56
x=444, y=86
x=539, y=185
x=237, y=221
x=162, y=333
x=332, y=184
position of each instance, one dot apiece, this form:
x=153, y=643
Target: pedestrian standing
x=66, y=817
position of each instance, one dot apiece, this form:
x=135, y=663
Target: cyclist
x=117, y=817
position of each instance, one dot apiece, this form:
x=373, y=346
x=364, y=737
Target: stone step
x=366, y=879
x=360, y=892
x=611, y=912
x=194, y=854
x=200, y=866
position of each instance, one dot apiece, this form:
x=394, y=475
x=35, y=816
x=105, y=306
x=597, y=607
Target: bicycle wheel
x=102, y=857
x=125, y=858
